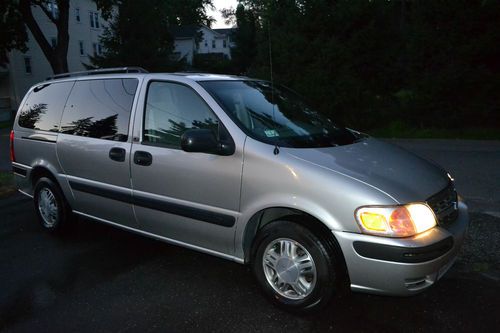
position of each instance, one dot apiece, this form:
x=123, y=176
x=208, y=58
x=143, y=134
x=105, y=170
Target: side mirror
x=204, y=141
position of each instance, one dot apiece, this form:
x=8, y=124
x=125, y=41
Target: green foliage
x=368, y=63
x=13, y=33
x=7, y=184
x=398, y=129
x=139, y=34
x=245, y=50
x=216, y=63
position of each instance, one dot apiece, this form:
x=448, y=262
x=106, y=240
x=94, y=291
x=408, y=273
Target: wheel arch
x=271, y=214
x=40, y=171
x=46, y=170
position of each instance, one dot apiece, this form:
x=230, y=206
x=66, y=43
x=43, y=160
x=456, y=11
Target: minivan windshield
x=276, y=116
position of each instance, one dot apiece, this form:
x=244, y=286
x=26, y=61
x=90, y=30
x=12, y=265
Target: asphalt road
x=100, y=279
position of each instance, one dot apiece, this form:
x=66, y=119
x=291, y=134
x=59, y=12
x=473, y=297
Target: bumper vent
x=445, y=205
x=418, y=283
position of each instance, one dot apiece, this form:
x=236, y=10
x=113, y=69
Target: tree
x=18, y=14
x=12, y=30
x=370, y=63
x=58, y=13
x=245, y=49
x=139, y=34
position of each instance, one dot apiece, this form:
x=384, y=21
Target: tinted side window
x=100, y=109
x=172, y=109
x=43, y=108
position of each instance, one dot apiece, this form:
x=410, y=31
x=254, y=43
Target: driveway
x=474, y=164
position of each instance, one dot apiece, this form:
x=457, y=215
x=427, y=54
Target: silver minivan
x=240, y=169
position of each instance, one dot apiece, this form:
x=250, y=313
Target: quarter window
x=171, y=109
x=44, y=105
x=100, y=109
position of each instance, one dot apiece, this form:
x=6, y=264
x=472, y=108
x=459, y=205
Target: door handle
x=143, y=158
x=117, y=154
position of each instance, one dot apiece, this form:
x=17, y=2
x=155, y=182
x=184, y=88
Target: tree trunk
x=58, y=56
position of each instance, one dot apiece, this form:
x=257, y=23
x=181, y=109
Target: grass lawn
x=6, y=124
x=7, y=184
x=398, y=130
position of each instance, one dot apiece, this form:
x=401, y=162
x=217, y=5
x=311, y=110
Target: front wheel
x=297, y=270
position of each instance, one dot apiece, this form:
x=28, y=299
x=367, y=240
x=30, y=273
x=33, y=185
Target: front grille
x=445, y=205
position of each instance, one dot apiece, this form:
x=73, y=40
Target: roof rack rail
x=115, y=70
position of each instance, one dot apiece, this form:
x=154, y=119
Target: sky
x=220, y=4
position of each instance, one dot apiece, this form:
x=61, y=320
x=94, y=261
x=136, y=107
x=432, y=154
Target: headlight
x=395, y=221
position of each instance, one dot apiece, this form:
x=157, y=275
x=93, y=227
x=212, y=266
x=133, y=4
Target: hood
x=393, y=170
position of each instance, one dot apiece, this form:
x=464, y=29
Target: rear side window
x=44, y=106
x=100, y=109
x=171, y=109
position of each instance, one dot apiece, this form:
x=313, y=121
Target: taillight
x=12, y=155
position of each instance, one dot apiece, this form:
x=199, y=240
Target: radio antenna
x=276, y=147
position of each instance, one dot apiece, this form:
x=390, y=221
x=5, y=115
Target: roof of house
x=190, y=31
x=225, y=31
x=184, y=31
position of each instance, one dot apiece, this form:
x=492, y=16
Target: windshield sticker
x=270, y=133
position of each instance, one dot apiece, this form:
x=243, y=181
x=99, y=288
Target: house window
x=94, y=20
x=53, y=9
x=53, y=42
x=97, y=48
x=82, y=49
x=206, y=43
x=77, y=15
x=27, y=65
x=213, y=43
x=224, y=43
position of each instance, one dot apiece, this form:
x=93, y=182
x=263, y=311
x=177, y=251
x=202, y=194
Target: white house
x=25, y=69
x=191, y=39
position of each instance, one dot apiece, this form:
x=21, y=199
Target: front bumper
x=402, y=266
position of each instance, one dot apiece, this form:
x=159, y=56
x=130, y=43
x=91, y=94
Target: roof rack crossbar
x=115, y=70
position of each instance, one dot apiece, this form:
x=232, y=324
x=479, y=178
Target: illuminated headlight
x=395, y=221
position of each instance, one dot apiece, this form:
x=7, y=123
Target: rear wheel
x=297, y=269
x=51, y=208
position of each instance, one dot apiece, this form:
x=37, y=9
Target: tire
x=52, y=209
x=299, y=290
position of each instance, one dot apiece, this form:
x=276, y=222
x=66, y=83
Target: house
x=192, y=39
x=26, y=69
